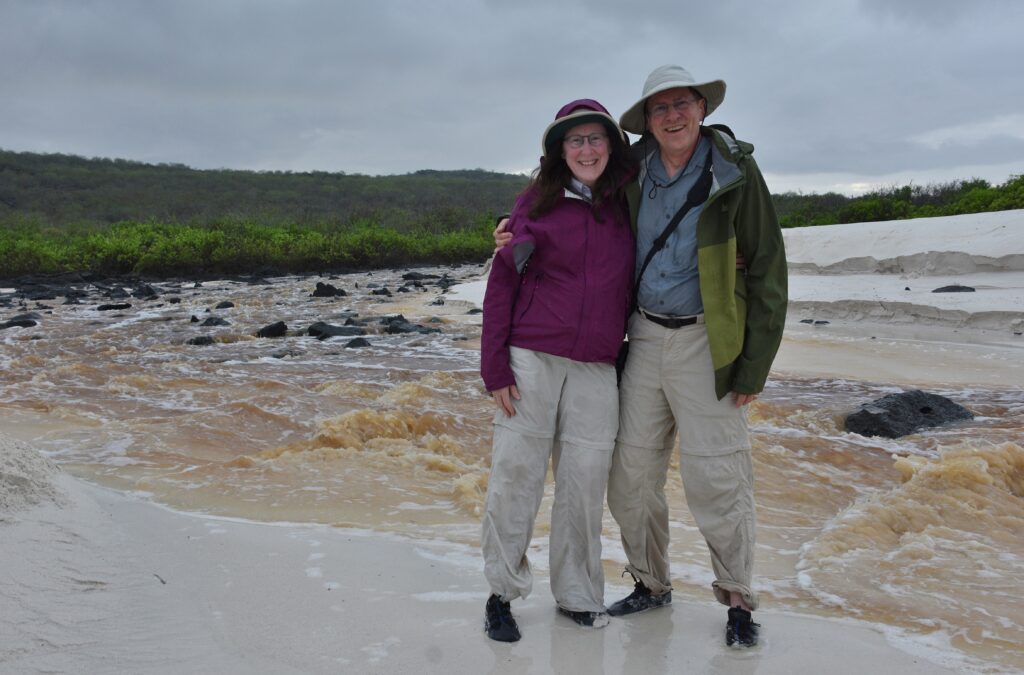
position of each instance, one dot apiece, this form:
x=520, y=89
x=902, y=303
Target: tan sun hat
x=670, y=77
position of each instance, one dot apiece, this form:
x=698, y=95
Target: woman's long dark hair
x=553, y=175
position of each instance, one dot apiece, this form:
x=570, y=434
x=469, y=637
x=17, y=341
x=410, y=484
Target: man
x=702, y=340
x=701, y=343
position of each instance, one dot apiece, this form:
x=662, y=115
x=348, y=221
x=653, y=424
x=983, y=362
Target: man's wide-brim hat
x=580, y=111
x=670, y=77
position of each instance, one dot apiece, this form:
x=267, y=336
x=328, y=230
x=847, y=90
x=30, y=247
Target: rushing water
x=924, y=535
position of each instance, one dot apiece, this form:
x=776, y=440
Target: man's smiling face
x=674, y=117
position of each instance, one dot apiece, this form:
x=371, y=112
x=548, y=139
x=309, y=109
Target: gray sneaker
x=640, y=600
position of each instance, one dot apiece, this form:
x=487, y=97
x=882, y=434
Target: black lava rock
x=418, y=276
x=118, y=305
x=215, y=321
x=398, y=324
x=28, y=316
x=322, y=331
x=900, y=414
x=200, y=341
x=380, y=291
x=227, y=304
x=144, y=291
x=358, y=342
x=274, y=330
x=955, y=288
x=20, y=323
x=327, y=291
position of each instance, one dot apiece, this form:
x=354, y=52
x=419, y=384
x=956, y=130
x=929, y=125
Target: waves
x=941, y=549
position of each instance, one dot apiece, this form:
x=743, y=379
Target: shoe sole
x=599, y=621
x=639, y=611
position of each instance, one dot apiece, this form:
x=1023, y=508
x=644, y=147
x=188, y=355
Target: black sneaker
x=640, y=600
x=741, y=629
x=587, y=619
x=498, y=621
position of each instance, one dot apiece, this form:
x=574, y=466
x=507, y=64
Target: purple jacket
x=562, y=286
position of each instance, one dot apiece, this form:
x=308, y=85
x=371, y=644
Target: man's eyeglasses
x=596, y=140
x=680, y=106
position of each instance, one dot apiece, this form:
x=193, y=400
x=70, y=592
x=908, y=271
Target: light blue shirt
x=671, y=284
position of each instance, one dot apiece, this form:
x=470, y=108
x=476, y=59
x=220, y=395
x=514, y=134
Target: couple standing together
x=607, y=235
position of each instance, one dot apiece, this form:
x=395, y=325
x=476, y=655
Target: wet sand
x=109, y=583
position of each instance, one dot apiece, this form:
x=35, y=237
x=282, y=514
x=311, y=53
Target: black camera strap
x=697, y=195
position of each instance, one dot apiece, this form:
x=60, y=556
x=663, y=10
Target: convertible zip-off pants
x=568, y=412
x=668, y=386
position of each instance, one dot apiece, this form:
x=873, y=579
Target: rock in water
x=327, y=291
x=322, y=331
x=900, y=414
x=274, y=330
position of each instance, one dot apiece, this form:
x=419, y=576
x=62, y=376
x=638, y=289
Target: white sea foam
x=27, y=477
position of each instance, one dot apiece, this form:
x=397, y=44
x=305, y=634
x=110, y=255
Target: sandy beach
x=102, y=580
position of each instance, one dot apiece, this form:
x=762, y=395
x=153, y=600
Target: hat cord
x=655, y=185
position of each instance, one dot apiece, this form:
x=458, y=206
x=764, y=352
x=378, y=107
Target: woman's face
x=586, y=149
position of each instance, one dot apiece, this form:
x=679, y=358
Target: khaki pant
x=569, y=412
x=668, y=388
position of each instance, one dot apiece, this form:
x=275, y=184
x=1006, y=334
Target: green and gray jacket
x=744, y=311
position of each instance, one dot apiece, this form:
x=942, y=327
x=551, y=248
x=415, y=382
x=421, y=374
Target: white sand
x=93, y=581
x=112, y=584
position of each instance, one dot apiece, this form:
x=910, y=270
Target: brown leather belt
x=671, y=321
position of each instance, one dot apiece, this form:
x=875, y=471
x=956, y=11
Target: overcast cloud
x=835, y=95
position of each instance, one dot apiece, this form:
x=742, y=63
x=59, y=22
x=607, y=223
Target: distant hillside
x=61, y=190
x=65, y=189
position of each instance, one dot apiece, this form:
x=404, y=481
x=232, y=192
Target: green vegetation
x=61, y=213
x=231, y=247
x=899, y=203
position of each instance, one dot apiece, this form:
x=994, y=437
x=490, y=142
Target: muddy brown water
x=923, y=536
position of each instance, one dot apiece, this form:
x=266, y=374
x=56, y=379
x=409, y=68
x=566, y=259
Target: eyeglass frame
x=679, y=105
x=588, y=139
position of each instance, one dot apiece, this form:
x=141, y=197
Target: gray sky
x=834, y=94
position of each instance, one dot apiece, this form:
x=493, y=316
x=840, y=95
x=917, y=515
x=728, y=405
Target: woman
x=554, y=318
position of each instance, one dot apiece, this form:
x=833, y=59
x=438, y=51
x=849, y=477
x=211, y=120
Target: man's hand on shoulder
x=501, y=237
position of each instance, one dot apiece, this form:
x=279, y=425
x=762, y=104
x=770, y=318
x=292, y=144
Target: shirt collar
x=578, y=190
